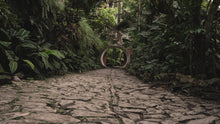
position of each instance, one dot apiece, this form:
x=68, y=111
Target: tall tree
x=139, y=15
x=212, y=12
x=121, y=10
x=196, y=57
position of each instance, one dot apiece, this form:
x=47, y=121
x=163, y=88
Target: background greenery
x=175, y=36
x=41, y=37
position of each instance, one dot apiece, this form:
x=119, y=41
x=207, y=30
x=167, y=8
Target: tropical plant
x=104, y=17
x=88, y=39
x=115, y=57
x=173, y=38
x=28, y=43
x=6, y=16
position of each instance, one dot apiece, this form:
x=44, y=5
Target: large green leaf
x=56, y=53
x=29, y=63
x=44, y=54
x=56, y=64
x=22, y=34
x=13, y=66
x=28, y=45
x=39, y=62
x=11, y=55
x=5, y=44
x=71, y=52
x=46, y=62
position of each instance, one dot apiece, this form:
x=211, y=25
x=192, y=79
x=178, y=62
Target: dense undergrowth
x=177, y=46
x=40, y=38
x=170, y=42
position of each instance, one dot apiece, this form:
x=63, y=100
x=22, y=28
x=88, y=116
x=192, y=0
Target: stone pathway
x=105, y=96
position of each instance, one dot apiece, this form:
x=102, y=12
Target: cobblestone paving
x=105, y=96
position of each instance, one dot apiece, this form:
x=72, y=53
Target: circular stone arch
x=125, y=51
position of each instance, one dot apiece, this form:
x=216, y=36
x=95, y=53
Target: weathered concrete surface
x=105, y=96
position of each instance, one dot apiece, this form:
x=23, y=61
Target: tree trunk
x=197, y=50
x=117, y=16
x=139, y=15
x=121, y=10
x=208, y=27
x=201, y=41
x=107, y=3
x=119, y=5
x=211, y=14
x=113, y=4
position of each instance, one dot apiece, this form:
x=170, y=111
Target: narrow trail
x=105, y=96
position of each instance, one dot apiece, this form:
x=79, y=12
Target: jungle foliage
x=174, y=36
x=42, y=37
x=57, y=36
x=175, y=44
x=115, y=57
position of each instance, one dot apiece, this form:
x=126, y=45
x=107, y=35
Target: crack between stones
x=114, y=98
